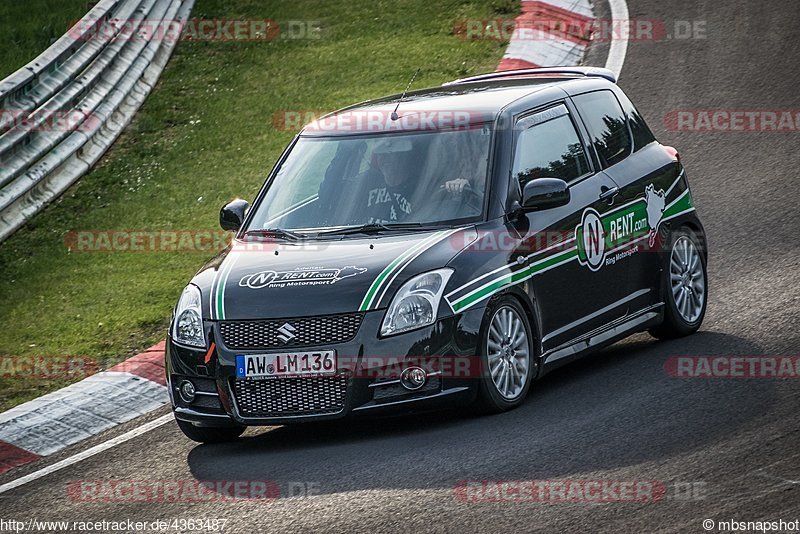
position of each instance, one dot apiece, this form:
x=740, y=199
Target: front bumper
x=367, y=374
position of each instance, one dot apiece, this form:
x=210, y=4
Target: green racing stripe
x=513, y=278
x=680, y=205
x=637, y=209
x=219, y=301
x=396, y=265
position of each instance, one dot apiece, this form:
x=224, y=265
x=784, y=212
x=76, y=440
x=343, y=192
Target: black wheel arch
x=692, y=222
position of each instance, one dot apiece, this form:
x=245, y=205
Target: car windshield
x=402, y=179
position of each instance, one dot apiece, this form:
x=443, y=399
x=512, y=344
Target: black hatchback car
x=438, y=248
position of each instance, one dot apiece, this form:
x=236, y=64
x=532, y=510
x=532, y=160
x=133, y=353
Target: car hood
x=306, y=278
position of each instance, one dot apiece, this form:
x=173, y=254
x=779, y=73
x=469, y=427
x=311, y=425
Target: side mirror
x=231, y=216
x=545, y=193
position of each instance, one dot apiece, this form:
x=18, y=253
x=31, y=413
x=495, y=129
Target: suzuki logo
x=286, y=332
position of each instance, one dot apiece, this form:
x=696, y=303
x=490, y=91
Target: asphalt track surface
x=613, y=416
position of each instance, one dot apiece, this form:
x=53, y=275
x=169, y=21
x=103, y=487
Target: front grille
x=302, y=331
x=280, y=397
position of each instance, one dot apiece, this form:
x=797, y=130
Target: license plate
x=286, y=364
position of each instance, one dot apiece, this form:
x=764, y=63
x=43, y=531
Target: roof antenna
x=394, y=116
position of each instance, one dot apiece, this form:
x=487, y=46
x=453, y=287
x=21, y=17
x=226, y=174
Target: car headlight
x=416, y=303
x=187, y=328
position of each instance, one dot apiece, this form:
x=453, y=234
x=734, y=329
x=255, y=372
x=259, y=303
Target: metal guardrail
x=62, y=111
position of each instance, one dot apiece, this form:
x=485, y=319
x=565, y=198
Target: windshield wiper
x=276, y=232
x=373, y=228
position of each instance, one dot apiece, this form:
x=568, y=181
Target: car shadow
x=616, y=408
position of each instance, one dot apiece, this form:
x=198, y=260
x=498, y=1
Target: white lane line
x=88, y=453
x=619, y=45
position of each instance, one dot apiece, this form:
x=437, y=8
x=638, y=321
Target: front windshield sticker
x=313, y=276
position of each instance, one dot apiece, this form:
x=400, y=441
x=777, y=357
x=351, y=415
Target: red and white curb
x=54, y=421
x=536, y=41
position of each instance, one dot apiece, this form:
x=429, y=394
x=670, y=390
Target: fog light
x=413, y=378
x=186, y=390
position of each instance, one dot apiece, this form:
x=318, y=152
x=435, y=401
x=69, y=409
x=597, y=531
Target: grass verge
x=31, y=26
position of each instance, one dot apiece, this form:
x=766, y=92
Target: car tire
x=502, y=353
x=684, y=284
x=209, y=434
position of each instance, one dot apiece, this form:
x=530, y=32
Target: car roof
x=460, y=103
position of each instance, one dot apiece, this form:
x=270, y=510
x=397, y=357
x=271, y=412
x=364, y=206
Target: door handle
x=608, y=193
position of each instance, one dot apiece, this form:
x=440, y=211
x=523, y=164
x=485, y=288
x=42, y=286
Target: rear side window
x=548, y=147
x=642, y=135
x=607, y=127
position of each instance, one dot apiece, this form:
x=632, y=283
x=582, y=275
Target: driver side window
x=548, y=146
